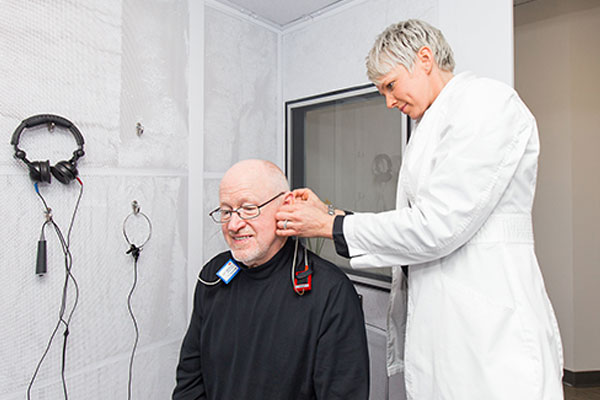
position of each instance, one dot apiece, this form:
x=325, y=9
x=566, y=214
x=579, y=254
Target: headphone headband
x=42, y=119
x=64, y=171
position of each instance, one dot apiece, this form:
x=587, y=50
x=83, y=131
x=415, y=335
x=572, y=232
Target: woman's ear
x=288, y=198
x=425, y=58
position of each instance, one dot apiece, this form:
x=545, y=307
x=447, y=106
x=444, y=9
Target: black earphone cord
x=68, y=277
x=135, y=253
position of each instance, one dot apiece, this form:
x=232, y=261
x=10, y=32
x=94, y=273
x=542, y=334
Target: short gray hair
x=399, y=44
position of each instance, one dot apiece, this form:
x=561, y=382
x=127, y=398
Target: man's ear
x=288, y=198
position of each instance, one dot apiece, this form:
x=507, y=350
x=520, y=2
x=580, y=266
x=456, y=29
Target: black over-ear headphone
x=41, y=171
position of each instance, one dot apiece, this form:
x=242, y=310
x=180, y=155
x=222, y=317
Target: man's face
x=252, y=241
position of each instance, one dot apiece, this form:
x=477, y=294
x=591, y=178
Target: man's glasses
x=247, y=211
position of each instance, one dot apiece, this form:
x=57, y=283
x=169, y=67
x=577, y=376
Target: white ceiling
x=284, y=13
x=281, y=13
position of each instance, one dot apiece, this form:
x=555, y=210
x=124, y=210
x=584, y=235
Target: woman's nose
x=390, y=101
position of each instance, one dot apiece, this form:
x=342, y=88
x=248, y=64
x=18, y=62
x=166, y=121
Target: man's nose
x=236, y=223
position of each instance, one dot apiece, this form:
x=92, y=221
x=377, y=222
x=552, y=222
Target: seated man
x=259, y=336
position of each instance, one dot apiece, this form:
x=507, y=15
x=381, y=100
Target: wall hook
x=139, y=129
x=136, y=207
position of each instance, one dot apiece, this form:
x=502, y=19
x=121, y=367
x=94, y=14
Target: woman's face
x=409, y=92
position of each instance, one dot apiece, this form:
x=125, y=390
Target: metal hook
x=136, y=207
x=139, y=129
x=51, y=126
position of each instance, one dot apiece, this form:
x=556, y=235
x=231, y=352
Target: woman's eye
x=390, y=86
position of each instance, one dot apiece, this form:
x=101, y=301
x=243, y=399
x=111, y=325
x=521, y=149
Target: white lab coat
x=479, y=324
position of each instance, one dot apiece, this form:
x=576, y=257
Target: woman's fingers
x=303, y=193
x=285, y=228
x=305, y=217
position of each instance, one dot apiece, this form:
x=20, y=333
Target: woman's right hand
x=305, y=216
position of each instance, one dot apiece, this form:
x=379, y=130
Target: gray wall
x=557, y=64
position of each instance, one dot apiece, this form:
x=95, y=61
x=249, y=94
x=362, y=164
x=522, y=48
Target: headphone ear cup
x=64, y=171
x=39, y=171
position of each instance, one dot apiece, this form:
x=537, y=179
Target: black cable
x=37, y=368
x=65, y=246
x=68, y=275
x=135, y=253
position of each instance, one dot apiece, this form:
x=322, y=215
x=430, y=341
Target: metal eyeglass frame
x=237, y=210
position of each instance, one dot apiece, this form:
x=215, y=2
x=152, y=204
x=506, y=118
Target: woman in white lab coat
x=475, y=322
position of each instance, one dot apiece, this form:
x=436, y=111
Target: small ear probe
x=40, y=265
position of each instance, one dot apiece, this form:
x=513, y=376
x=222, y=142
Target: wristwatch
x=330, y=209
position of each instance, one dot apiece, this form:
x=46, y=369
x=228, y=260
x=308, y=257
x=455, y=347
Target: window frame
x=295, y=111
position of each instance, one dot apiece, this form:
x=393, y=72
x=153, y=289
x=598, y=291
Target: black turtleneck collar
x=281, y=259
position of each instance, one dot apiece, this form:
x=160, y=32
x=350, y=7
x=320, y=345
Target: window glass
x=348, y=150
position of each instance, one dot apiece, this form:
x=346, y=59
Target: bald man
x=254, y=332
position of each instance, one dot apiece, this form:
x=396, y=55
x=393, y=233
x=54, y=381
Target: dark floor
x=572, y=393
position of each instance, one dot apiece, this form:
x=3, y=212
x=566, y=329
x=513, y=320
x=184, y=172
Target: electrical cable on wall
x=65, y=245
x=135, y=253
x=65, y=172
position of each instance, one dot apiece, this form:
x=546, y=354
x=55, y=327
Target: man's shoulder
x=333, y=289
x=328, y=272
x=211, y=267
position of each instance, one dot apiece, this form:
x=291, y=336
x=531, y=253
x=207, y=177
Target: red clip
x=305, y=283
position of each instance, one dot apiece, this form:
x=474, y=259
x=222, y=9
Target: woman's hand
x=305, y=216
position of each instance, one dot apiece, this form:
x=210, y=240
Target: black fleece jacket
x=256, y=339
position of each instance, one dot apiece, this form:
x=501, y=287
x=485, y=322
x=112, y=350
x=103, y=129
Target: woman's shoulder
x=470, y=87
x=480, y=98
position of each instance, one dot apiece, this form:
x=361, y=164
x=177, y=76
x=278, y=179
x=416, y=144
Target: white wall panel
x=241, y=110
x=213, y=243
x=329, y=52
x=154, y=83
x=101, y=329
x=64, y=60
x=481, y=35
x=104, y=66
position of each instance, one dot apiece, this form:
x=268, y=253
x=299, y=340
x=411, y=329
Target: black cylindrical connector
x=40, y=266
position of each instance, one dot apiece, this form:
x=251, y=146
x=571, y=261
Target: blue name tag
x=228, y=271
